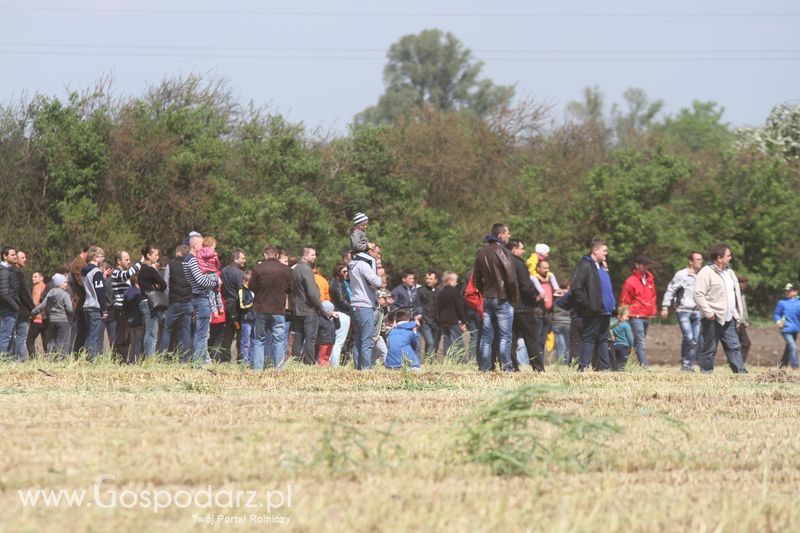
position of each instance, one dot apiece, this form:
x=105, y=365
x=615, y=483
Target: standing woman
x=340, y=298
x=450, y=315
x=150, y=281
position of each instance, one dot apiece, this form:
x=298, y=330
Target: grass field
x=447, y=449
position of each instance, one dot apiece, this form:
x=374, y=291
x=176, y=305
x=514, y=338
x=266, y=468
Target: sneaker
x=687, y=369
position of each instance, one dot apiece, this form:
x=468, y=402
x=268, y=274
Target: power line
x=277, y=13
x=381, y=58
x=382, y=50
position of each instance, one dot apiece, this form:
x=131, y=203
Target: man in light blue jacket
x=787, y=319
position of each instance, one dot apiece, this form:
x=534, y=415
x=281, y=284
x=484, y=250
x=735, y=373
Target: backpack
x=678, y=297
x=472, y=296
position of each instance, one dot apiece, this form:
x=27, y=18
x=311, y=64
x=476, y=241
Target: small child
x=358, y=233
x=622, y=336
x=209, y=263
x=403, y=342
x=133, y=314
x=247, y=320
x=57, y=304
x=326, y=333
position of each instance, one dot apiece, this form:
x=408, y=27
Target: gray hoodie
x=58, y=304
x=364, y=281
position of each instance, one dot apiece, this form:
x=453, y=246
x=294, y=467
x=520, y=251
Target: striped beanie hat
x=360, y=218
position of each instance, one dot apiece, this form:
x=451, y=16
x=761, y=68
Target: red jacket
x=639, y=292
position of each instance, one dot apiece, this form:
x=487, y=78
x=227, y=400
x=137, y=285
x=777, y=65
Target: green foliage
x=696, y=129
x=433, y=68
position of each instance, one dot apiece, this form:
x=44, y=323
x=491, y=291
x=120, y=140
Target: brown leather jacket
x=495, y=276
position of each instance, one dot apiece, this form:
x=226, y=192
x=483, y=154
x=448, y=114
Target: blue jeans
x=8, y=320
x=20, y=339
x=202, y=312
x=341, y=337
x=246, y=342
x=269, y=332
x=498, y=318
x=594, y=336
x=431, y=334
x=363, y=341
x=452, y=336
x=712, y=333
x=94, y=331
x=561, y=332
x=790, y=352
x=178, y=312
x=150, y=322
x=639, y=327
x=689, y=322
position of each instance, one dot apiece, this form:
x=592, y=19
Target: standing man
x=232, y=277
x=547, y=287
x=428, y=328
x=202, y=286
x=94, y=305
x=271, y=283
x=496, y=279
x=180, y=308
x=9, y=297
x=719, y=299
x=639, y=294
x=680, y=294
x=593, y=302
x=406, y=295
x=78, y=331
x=26, y=305
x=524, y=325
x=307, y=307
x=364, y=281
x=121, y=282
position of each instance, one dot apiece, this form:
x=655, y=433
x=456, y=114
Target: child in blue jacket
x=403, y=341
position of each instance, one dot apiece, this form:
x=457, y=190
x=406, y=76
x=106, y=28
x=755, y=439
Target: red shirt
x=639, y=292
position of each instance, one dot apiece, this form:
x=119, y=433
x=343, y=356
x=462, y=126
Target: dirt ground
x=664, y=346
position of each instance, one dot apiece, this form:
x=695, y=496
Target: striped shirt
x=121, y=281
x=201, y=283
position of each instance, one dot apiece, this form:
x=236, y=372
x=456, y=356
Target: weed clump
x=515, y=438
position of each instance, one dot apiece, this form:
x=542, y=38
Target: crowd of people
x=509, y=307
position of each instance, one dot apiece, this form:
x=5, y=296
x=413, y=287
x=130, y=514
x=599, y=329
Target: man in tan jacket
x=719, y=300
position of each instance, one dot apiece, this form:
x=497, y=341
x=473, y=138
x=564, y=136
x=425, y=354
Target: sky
x=321, y=62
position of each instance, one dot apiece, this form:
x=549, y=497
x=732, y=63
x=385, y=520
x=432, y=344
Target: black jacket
x=339, y=296
x=180, y=292
x=427, y=301
x=150, y=279
x=450, y=307
x=26, y=304
x=9, y=289
x=586, y=294
x=527, y=290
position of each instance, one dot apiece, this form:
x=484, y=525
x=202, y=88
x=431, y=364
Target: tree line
x=186, y=155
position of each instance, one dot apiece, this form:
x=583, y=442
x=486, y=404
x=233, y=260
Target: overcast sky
x=321, y=62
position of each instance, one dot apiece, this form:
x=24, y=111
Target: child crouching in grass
x=403, y=341
x=622, y=335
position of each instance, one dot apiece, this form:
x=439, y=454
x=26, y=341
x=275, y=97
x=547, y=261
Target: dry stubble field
x=380, y=450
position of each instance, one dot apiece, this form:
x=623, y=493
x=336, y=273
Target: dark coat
x=586, y=294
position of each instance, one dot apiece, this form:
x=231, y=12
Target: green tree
x=435, y=69
x=639, y=114
x=696, y=129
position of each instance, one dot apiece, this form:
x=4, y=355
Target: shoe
x=689, y=369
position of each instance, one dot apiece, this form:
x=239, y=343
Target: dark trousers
x=229, y=333
x=79, y=323
x=595, y=337
x=712, y=334
x=621, y=353
x=305, y=338
x=744, y=341
x=575, y=330
x=36, y=329
x=122, y=342
x=525, y=327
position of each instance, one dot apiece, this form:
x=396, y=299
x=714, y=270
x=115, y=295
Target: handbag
x=157, y=299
